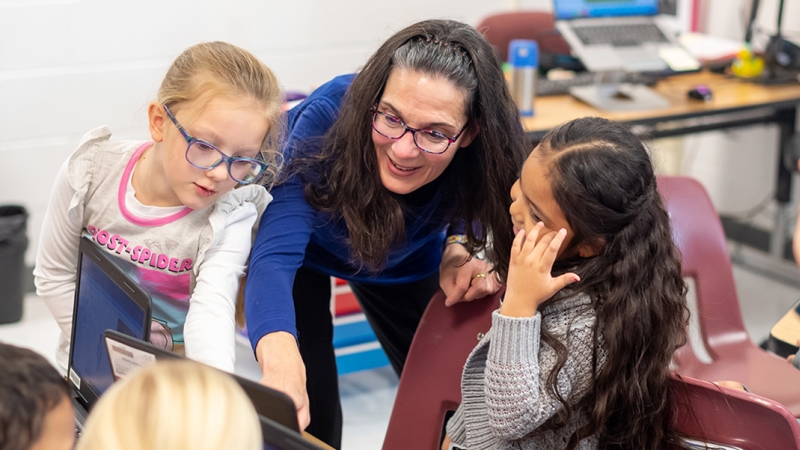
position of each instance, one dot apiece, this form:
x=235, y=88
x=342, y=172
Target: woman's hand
x=790, y=358
x=530, y=282
x=465, y=281
x=283, y=369
x=446, y=442
x=731, y=384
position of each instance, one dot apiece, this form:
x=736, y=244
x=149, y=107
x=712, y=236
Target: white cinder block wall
x=67, y=66
x=738, y=167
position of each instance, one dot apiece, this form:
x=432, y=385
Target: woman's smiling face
x=419, y=101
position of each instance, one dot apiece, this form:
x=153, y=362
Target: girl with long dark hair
x=578, y=354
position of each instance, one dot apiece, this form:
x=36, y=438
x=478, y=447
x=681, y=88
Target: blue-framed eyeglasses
x=206, y=156
x=428, y=141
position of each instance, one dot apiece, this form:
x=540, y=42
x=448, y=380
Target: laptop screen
x=275, y=409
x=101, y=303
x=278, y=437
x=573, y=9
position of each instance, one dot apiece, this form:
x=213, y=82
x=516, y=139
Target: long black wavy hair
x=603, y=180
x=474, y=186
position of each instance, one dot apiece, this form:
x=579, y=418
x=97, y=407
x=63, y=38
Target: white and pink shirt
x=190, y=261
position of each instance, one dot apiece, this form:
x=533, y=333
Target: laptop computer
x=621, y=35
x=105, y=298
x=275, y=409
x=279, y=437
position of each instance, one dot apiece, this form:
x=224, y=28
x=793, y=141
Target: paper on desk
x=710, y=48
x=678, y=59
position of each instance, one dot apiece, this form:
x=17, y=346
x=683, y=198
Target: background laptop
x=275, y=409
x=105, y=298
x=620, y=35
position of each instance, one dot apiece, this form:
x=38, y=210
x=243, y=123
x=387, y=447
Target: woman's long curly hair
x=345, y=178
x=603, y=180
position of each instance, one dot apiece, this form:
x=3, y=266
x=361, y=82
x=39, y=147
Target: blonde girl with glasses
x=166, y=207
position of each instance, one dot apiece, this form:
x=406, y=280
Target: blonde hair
x=218, y=69
x=177, y=405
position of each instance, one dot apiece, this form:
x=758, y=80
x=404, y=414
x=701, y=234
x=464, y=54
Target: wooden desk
x=783, y=337
x=735, y=104
x=730, y=96
x=310, y=437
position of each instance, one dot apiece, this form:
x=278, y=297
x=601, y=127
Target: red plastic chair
x=539, y=26
x=716, y=415
x=430, y=386
x=698, y=233
x=431, y=381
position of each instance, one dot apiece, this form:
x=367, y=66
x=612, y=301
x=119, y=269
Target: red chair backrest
x=719, y=415
x=698, y=234
x=539, y=26
x=431, y=381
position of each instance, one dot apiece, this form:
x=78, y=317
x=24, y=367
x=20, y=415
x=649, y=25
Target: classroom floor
x=367, y=396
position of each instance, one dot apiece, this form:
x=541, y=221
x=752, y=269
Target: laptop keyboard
x=545, y=87
x=619, y=35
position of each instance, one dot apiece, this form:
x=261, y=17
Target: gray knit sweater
x=504, y=385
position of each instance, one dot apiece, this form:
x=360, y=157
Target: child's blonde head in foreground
x=176, y=405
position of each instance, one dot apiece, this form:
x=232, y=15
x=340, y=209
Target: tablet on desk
x=784, y=335
x=105, y=298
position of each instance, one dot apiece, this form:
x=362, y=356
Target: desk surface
x=785, y=335
x=730, y=95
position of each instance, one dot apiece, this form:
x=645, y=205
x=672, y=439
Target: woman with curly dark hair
x=398, y=176
x=579, y=351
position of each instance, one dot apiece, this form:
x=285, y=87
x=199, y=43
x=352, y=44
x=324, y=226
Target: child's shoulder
x=96, y=151
x=569, y=302
x=577, y=310
x=239, y=207
x=245, y=194
x=237, y=198
x=99, y=134
x=97, y=142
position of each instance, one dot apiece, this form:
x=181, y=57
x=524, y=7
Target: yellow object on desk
x=747, y=65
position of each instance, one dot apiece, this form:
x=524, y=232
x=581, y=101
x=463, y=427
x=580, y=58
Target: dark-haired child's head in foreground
x=594, y=179
x=35, y=410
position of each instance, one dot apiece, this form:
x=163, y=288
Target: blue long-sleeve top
x=293, y=234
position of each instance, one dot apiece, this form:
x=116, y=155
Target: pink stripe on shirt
x=123, y=186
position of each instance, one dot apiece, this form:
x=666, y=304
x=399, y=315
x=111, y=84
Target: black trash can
x=13, y=243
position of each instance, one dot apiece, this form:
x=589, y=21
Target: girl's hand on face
x=530, y=282
x=463, y=278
